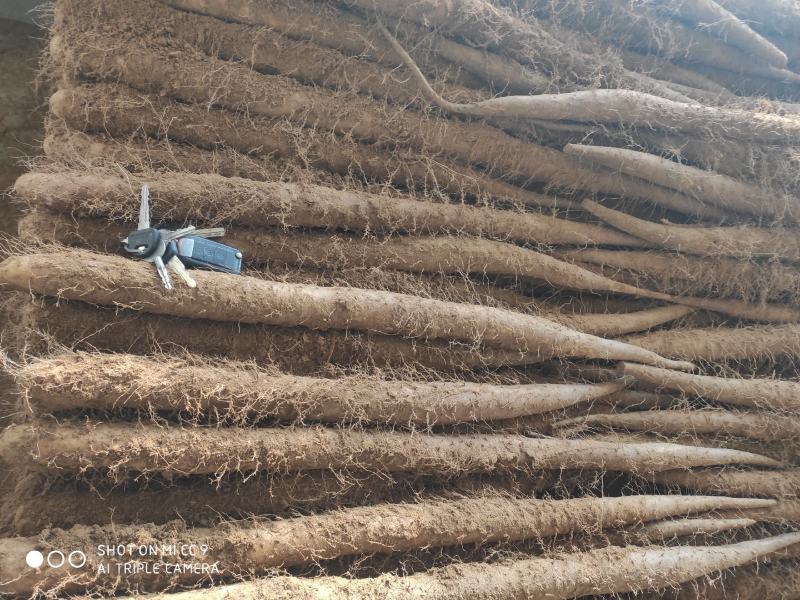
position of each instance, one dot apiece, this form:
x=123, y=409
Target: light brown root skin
x=755, y=393
x=607, y=571
x=615, y=106
x=113, y=382
x=214, y=199
x=84, y=327
x=244, y=549
x=416, y=255
x=116, y=281
x=705, y=186
x=122, y=112
x=122, y=448
x=778, y=484
x=762, y=343
x=686, y=275
x=665, y=422
x=743, y=241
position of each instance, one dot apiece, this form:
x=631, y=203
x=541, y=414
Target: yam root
x=116, y=281
x=364, y=530
x=607, y=571
x=216, y=200
x=118, y=381
x=705, y=186
x=755, y=393
x=741, y=241
x=732, y=482
x=702, y=422
x=120, y=448
x=622, y=107
x=720, y=344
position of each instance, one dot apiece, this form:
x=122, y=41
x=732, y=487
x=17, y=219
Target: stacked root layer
x=519, y=313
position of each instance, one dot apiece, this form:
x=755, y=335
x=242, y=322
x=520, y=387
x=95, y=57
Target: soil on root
x=240, y=549
x=204, y=502
x=121, y=112
x=241, y=392
x=122, y=449
x=87, y=327
x=682, y=275
x=115, y=281
x=270, y=51
x=769, y=343
x=219, y=200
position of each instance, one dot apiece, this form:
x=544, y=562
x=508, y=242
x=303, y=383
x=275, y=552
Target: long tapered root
x=239, y=391
x=384, y=528
x=114, y=281
x=607, y=571
x=119, y=448
x=756, y=393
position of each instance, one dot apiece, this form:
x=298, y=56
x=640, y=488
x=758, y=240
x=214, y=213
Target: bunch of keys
x=176, y=250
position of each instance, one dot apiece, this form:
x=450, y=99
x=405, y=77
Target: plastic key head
x=201, y=253
x=170, y=252
x=144, y=243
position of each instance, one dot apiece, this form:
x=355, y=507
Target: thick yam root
x=214, y=200
x=757, y=393
x=84, y=327
x=431, y=255
x=677, y=422
x=82, y=151
x=777, y=484
x=121, y=112
x=115, y=281
x=686, y=275
x=608, y=571
x=742, y=241
x=778, y=581
x=240, y=550
x=122, y=448
x=765, y=343
x=713, y=18
x=705, y=186
x=200, y=502
x=231, y=390
x=615, y=106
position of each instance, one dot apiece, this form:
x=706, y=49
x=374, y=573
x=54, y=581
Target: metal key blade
x=210, y=232
x=176, y=265
x=168, y=236
x=162, y=272
x=144, y=208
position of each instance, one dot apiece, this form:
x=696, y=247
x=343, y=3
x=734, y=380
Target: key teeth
x=176, y=265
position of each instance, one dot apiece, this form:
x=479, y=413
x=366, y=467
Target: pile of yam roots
x=518, y=319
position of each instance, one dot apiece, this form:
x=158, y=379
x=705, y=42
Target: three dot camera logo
x=130, y=559
x=55, y=559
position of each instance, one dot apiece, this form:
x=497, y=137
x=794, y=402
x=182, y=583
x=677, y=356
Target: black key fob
x=170, y=252
x=143, y=243
x=201, y=253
